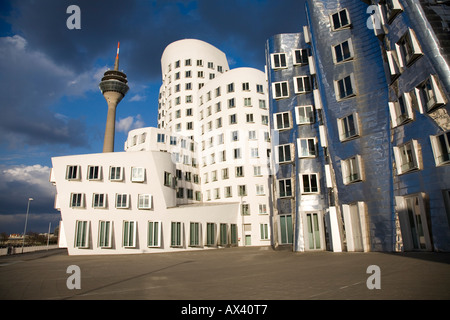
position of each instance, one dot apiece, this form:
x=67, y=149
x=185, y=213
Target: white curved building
x=200, y=180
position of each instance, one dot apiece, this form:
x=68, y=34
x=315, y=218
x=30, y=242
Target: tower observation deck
x=113, y=87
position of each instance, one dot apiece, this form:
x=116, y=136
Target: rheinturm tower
x=113, y=87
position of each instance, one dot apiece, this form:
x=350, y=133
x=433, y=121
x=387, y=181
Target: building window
x=122, y=201
x=264, y=228
x=284, y=153
x=245, y=86
x=430, y=95
x=302, y=84
x=282, y=120
x=247, y=102
x=228, y=193
x=129, y=234
x=77, y=200
x=245, y=209
x=173, y=141
x=233, y=119
x=234, y=136
x=304, y=114
x=309, y=183
x=262, y=104
x=180, y=193
x=401, y=110
x=175, y=234
x=194, y=234
x=210, y=234
x=300, y=57
x=116, y=173
x=104, y=234
x=154, y=234
x=306, y=147
x=73, y=173
x=285, y=188
x=252, y=135
x=392, y=8
x=264, y=120
x=161, y=138
x=94, y=172
x=257, y=171
x=344, y=87
x=278, y=60
x=441, y=148
x=343, y=51
x=167, y=179
x=408, y=49
x=260, y=190
x=352, y=169
x=237, y=153
x=259, y=88
x=230, y=87
x=254, y=153
x=340, y=20
x=280, y=90
x=145, y=201
x=242, y=190
x=223, y=236
x=286, y=229
x=225, y=174
x=137, y=174
x=407, y=157
x=82, y=234
x=262, y=208
x=99, y=200
x=348, y=127
x=239, y=171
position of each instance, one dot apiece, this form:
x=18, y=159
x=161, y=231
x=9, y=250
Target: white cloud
x=129, y=123
x=138, y=97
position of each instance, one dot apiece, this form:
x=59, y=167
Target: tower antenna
x=116, y=63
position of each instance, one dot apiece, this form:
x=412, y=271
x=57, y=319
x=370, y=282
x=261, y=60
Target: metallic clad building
x=379, y=171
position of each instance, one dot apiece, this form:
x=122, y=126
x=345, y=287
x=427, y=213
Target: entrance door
x=286, y=235
x=314, y=231
x=417, y=223
x=356, y=228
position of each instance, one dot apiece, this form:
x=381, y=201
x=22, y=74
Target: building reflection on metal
x=380, y=84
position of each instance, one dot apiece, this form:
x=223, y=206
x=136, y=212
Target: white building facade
x=200, y=180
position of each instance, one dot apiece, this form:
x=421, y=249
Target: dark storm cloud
x=145, y=28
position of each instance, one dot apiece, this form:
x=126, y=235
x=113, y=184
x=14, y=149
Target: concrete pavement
x=226, y=274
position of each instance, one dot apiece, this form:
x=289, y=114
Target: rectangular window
x=210, y=234
x=122, y=201
x=254, y=153
x=175, y=234
x=278, y=60
x=167, y=179
x=300, y=57
x=430, y=95
x=145, y=201
x=99, y=200
x=282, y=120
x=245, y=209
x=129, y=234
x=242, y=190
x=407, y=157
x=401, y=110
x=280, y=90
x=116, y=173
x=228, y=192
x=408, y=49
x=161, y=138
x=304, y=114
x=245, y=86
x=239, y=171
x=194, y=234
x=264, y=231
x=233, y=119
x=284, y=153
x=259, y=88
x=306, y=147
x=392, y=8
x=260, y=190
x=262, y=208
x=352, y=169
x=73, y=173
x=302, y=84
x=441, y=148
x=234, y=234
x=154, y=234
x=309, y=183
x=223, y=236
x=285, y=188
x=348, y=127
x=137, y=174
x=286, y=230
x=344, y=87
x=237, y=153
x=94, y=172
x=81, y=234
x=77, y=200
x=340, y=20
x=104, y=234
x=343, y=51
x=230, y=87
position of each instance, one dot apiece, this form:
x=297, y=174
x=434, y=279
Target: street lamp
x=26, y=220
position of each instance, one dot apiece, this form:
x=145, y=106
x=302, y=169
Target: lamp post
x=26, y=220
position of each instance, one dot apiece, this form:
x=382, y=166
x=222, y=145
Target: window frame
x=122, y=196
x=302, y=184
x=399, y=155
x=352, y=170
x=145, y=201
x=408, y=48
x=104, y=239
x=438, y=152
x=154, y=238
x=298, y=117
x=82, y=243
x=95, y=204
x=342, y=91
x=283, y=190
x=341, y=48
x=303, y=53
x=300, y=148
x=138, y=174
x=277, y=60
x=283, y=90
x=283, y=119
x=341, y=126
x=115, y=178
x=78, y=203
x=341, y=26
x=128, y=238
x=398, y=117
x=283, y=148
x=305, y=82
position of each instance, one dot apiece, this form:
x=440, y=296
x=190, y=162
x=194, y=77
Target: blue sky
x=49, y=97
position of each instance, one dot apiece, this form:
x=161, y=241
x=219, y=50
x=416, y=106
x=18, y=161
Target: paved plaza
x=226, y=274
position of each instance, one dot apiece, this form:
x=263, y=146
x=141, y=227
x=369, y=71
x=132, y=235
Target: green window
x=286, y=229
x=154, y=233
x=175, y=234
